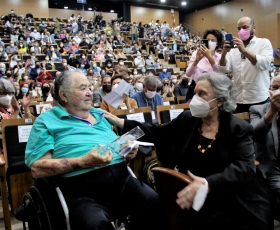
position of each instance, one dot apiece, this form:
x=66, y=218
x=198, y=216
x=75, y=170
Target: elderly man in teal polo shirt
x=97, y=188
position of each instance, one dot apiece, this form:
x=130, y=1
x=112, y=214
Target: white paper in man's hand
x=115, y=97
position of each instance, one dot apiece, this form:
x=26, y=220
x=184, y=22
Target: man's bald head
x=247, y=20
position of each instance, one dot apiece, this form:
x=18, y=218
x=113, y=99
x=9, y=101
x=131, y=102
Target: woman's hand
x=133, y=153
x=186, y=196
x=199, y=56
x=14, y=104
x=26, y=100
x=207, y=53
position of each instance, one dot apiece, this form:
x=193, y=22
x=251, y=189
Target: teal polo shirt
x=68, y=136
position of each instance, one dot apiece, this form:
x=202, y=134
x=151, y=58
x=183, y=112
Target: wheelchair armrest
x=2, y=160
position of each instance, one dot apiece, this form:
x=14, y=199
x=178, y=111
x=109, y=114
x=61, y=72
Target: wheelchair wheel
x=36, y=214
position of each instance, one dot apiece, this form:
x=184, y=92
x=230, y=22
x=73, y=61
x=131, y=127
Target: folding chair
x=166, y=113
x=14, y=174
x=168, y=183
x=181, y=99
x=168, y=101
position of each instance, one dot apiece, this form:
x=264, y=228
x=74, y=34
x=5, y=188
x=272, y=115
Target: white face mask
x=139, y=86
x=135, y=72
x=121, y=63
x=150, y=94
x=64, y=64
x=200, y=107
x=164, y=70
x=212, y=45
x=115, y=86
x=174, y=80
x=5, y=101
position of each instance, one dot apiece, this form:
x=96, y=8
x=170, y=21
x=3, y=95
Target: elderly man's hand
x=133, y=153
x=186, y=196
x=92, y=158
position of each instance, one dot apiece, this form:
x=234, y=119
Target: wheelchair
x=44, y=208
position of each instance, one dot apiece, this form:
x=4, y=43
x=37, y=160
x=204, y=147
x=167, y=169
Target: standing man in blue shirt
x=149, y=96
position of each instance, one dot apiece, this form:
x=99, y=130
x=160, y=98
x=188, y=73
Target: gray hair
x=63, y=82
x=6, y=86
x=136, y=78
x=222, y=87
x=150, y=79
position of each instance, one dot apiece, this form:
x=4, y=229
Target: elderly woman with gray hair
x=216, y=150
x=9, y=107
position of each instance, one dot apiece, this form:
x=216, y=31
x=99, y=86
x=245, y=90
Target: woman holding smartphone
x=205, y=58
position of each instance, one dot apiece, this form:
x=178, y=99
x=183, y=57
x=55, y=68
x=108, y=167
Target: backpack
x=148, y=175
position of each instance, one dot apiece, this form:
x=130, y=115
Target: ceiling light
x=162, y=0
x=65, y=7
x=89, y=8
x=112, y=11
x=184, y=3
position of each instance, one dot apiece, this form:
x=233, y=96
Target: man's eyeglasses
x=274, y=87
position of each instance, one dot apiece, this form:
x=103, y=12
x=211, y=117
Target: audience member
x=217, y=152
x=249, y=65
x=148, y=96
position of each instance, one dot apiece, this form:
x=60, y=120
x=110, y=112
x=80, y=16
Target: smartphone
x=204, y=42
x=229, y=38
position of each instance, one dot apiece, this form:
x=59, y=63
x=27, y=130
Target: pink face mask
x=244, y=34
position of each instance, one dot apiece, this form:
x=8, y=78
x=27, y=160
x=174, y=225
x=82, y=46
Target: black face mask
x=185, y=82
x=38, y=66
x=107, y=88
x=46, y=89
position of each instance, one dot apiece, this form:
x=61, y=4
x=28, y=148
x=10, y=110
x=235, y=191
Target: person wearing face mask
x=249, y=65
x=22, y=48
x=83, y=67
x=126, y=103
x=13, y=59
x=37, y=90
x=109, y=67
x=106, y=86
x=11, y=48
x=35, y=34
x=139, y=61
x=95, y=68
x=182, y=88
x=54, y=55
x=121, y=69
x=46, y=91
x=49, y=65
x=83, y=60
x=217, y=152
x=72, y=61
x=148, y=96
x=150, y=62
x=9, y=107
x=137, y=85
x=205, y=58
x=164, y=74
x=44, y=76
